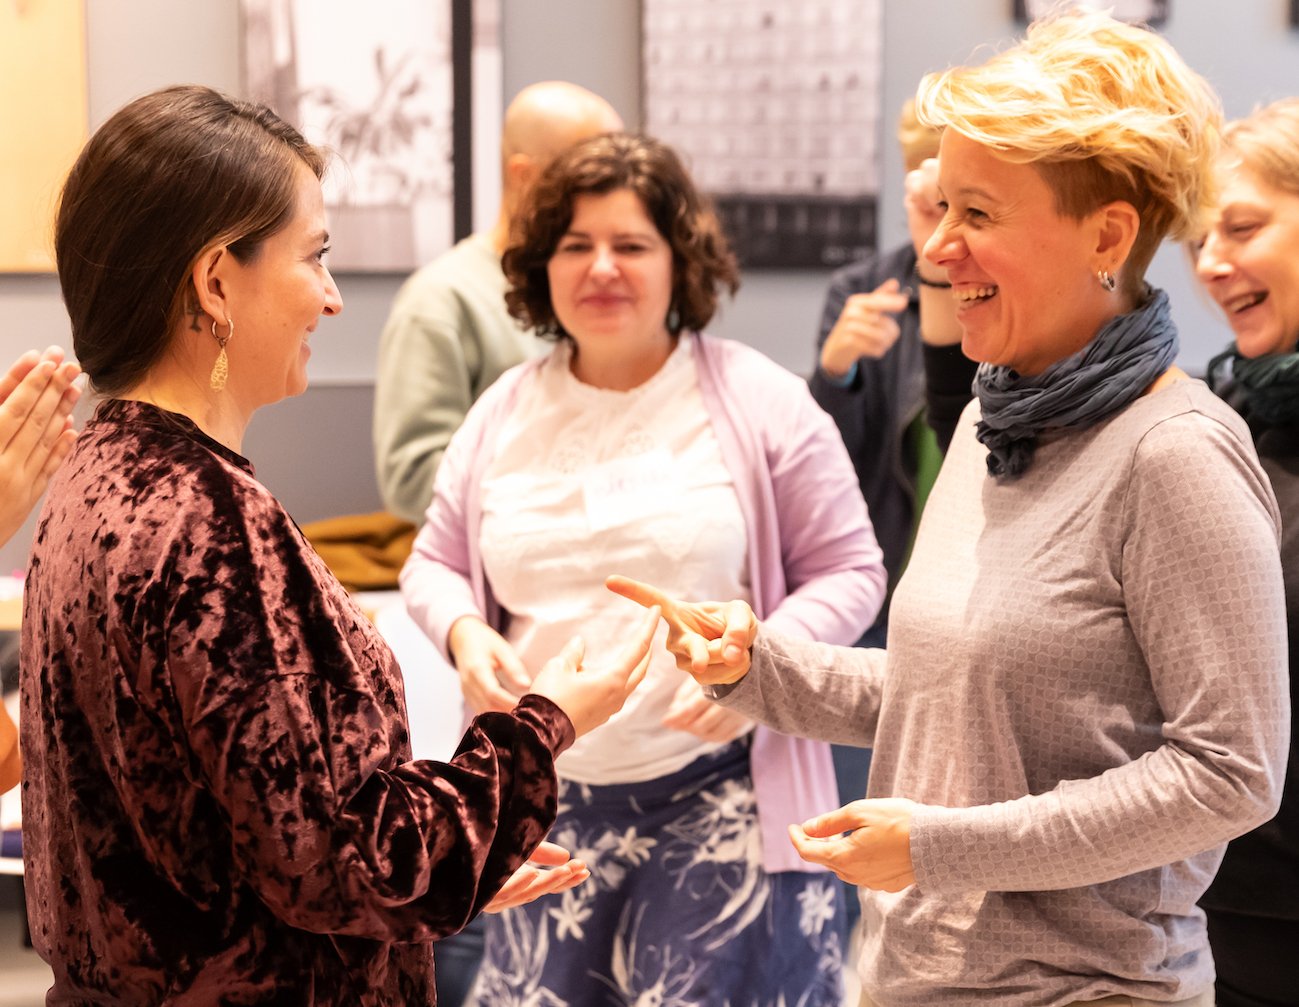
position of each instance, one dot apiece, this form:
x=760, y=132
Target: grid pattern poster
x=775, y=108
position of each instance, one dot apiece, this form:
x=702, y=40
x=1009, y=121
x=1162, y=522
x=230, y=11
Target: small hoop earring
x=1107, y=280
x=221, y=369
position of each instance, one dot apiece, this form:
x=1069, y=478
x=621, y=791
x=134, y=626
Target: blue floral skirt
x=678, y=911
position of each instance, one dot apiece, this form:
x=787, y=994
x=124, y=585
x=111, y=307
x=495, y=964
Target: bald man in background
x=449, y=336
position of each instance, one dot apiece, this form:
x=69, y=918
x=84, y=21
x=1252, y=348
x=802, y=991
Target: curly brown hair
x=702, y=261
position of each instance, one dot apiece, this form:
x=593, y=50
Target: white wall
x=1247, y=52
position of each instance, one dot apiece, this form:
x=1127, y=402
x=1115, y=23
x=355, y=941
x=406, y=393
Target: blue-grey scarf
x=1110, y=372
x=1264, y=389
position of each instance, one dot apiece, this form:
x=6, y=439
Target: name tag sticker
x=626, y=489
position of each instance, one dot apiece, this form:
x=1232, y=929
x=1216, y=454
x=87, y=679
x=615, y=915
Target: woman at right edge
x=1084, y=695
x=1249, y=263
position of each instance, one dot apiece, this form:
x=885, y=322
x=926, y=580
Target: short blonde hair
x=918, y=141
x=1106, y=111
x=1267, y=141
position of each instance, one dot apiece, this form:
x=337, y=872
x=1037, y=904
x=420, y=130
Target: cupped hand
x=938, y=324
x=592, y=694
x=866, y=843
x=923, y=204
x=865, y=328
x=548, y=870
x=693, y=712
x=710, y=640
x=37, y=396
x=492, y=678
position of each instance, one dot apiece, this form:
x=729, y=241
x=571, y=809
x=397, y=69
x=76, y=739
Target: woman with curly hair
x=639, y=443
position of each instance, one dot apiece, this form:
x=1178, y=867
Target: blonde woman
x=1084, y=695
x=1249, y=263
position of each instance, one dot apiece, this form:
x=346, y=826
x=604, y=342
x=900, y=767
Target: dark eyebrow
x=618, y=235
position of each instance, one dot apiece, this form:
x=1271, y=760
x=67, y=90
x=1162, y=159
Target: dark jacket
x=1260, y=872
x=875, y=408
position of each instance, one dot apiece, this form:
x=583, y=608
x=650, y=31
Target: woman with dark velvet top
x=219, y=804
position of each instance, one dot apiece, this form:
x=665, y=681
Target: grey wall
x=314, y=451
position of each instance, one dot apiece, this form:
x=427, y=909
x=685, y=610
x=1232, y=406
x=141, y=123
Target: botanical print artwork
x=376, y=85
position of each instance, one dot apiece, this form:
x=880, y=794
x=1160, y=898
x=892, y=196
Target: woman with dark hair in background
x=1249, y=263
x=640, y=443
x=219, y=805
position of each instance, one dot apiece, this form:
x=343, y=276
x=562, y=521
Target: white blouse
x=589, y=482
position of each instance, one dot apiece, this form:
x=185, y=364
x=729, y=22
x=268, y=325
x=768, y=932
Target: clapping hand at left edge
x=548, y=870
x=36, y=399
x=866, y=843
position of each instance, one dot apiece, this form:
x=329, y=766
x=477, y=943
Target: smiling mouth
x=973, y=295
x=1244, y=302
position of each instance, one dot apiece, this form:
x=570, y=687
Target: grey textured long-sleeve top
x=1086, y=694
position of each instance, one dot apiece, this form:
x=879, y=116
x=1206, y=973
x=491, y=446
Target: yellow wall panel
x=43, y=120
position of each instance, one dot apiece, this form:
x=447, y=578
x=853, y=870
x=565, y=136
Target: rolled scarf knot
x=1263, y=389
x=1119, y=363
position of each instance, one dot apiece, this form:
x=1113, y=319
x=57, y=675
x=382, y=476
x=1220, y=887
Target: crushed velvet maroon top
x=218, y=805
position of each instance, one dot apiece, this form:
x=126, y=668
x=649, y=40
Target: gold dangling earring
x=221, y=369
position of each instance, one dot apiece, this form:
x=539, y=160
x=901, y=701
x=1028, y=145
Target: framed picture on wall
x=43, y=94
x=1294, y=13
x=389, y=90
x=1150, y=12
x=775, y=107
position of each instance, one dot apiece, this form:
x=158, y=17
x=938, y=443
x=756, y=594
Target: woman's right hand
x=924, y=205
x=866, y=328
x=492, y=678
x=591, y=695
x=36, y=399
x=710, y=640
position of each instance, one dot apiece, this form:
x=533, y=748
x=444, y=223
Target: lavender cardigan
x=814, y=563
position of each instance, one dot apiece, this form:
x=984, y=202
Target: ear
x=1117, y=225
x=520, y=170
x=211, y=284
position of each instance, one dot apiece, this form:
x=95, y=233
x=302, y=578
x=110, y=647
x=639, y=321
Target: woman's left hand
x=875, y=853
x=531, y=881
x=695, y=713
